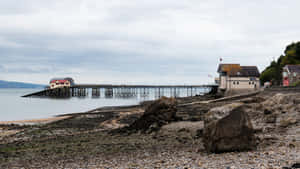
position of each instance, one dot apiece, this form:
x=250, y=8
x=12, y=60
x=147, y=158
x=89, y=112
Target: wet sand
x=35, y=121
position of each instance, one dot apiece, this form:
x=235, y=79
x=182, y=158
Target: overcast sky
x=140, y=41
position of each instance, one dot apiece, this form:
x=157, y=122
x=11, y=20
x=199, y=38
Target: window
x=234, y=83
x=237, y=82
x=249, y=83
x=223, y=73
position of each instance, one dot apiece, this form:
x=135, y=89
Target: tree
x=271, y=74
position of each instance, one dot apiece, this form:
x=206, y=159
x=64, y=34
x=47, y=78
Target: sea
x=14, y=107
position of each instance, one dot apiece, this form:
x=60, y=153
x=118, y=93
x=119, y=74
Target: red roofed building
x=61, y=82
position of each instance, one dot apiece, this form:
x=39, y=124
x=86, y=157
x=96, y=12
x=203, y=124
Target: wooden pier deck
x=37, y=93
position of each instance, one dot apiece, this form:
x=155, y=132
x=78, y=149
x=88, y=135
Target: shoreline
x=63, y=116
x=35, y=121
x=59, y=117
x=204, y=99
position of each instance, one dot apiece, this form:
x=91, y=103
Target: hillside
x=9, y=84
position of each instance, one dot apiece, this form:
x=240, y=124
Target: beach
x=105, y=138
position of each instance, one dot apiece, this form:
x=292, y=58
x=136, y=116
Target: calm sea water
x=14, y=107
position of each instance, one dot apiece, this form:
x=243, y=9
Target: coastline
x=16, y=108
x=55, y=118
x=35, y=121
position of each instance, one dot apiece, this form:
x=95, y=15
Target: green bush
x=296, y=84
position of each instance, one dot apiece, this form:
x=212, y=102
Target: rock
x=220, y=112
x=294, y=144
x=296, y=165
x=253, y=100
x=281, y=103
x=228, y=128
x=278, y=98
x=157, y=114
x=199, y=133
x=267, y=111
x=296, y=101
x=271, y=118
x=287, y=121
x=258, y=129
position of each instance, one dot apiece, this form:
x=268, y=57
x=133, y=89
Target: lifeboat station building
x=61, y=82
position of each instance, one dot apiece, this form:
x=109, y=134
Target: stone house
x=234, y=77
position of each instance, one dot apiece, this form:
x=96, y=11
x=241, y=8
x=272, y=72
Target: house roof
x=227, y=67
x=293, y=68
x=250, y=71
x=235, y=70
x=63, y=79
x=59, y=81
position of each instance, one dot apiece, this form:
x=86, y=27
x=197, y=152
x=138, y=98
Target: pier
x=125, y=91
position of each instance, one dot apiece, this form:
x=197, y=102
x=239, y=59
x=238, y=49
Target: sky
x=140, y=41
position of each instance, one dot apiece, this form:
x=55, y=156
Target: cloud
x=139, y=39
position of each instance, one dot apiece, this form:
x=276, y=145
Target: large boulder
x=228, y=128
x=157, y=114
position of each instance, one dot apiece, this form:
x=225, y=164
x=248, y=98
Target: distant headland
x=13, y=84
